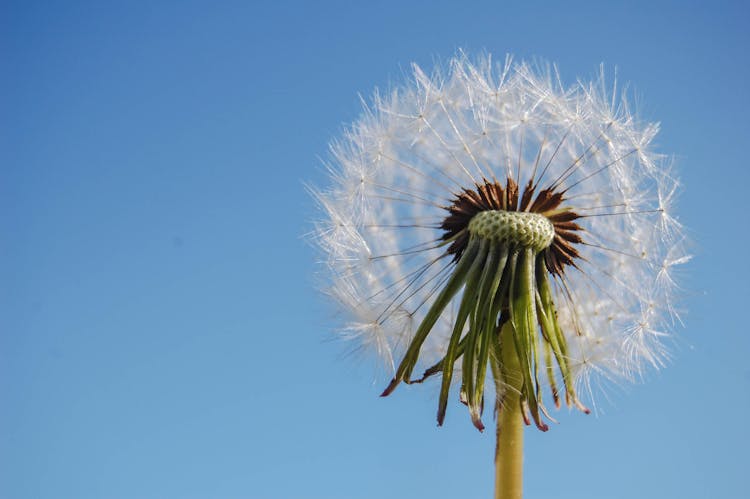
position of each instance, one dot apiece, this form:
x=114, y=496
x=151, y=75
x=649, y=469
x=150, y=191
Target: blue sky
x=159, y=332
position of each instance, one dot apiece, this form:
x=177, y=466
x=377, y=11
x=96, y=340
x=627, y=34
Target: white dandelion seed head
x=395, y=170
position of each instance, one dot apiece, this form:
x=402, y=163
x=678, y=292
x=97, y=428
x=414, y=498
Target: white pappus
x=421, y=162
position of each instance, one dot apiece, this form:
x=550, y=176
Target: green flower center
x=529, y=230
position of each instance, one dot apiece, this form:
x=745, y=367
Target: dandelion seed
x=488, y=223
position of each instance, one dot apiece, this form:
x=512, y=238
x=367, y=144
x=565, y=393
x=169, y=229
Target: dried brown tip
x=389, y=389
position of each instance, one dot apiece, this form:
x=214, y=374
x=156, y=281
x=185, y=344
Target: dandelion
x=488, y=225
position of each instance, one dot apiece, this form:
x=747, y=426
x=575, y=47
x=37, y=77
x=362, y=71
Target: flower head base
x=515, y=228
x=432, y=260
x=501, y=249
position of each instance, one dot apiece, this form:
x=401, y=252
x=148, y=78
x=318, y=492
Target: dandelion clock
x=505, y=237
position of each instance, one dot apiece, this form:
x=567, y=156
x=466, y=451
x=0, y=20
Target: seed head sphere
x=486, y=194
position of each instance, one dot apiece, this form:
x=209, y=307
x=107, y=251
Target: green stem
x=509, y=447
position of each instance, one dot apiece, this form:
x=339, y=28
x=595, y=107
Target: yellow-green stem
x=510, y=425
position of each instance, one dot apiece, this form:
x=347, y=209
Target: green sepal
x=552, y=331
x=454, y=284
x=523, y=318
x=464, y=311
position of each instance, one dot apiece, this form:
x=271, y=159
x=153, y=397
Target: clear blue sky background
x=159, y=334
